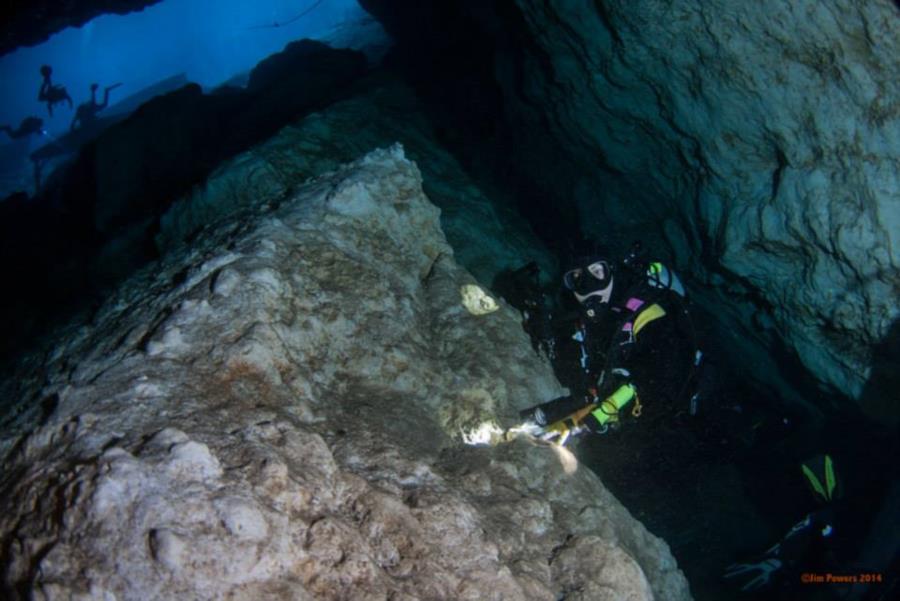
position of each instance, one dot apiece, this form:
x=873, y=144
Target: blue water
x=208, y=42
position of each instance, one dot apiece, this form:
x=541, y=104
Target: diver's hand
x=560, y=433
x=765, y=569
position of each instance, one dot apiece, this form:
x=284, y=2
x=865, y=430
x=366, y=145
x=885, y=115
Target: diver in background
x=28, y=126
x=52, y=94
x=86, y=114
x=809, y=544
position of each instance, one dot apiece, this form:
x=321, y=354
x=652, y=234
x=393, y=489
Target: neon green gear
x=660, y=276
x=608, y=409
x=824, y=491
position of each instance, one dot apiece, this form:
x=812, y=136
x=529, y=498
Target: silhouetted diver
x=50, y=93
x=29, y=125
x=87, y=112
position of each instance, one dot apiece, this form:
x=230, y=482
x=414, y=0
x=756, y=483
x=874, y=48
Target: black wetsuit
x=808, y=550
x=658, y=361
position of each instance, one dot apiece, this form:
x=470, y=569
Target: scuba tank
x=657, y=274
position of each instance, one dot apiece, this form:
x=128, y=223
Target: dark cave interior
x=704, y=488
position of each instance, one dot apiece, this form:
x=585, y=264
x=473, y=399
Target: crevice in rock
x=780, y=165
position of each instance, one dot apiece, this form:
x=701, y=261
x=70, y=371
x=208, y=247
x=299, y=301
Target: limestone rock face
x=276, y=412
x=768, y=131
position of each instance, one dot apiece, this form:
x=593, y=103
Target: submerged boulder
x=278, y=411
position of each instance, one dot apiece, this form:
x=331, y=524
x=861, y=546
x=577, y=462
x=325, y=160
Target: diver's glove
x=562, y=431
x=765, y=568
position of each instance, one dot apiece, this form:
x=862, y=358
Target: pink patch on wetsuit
x=634, y=304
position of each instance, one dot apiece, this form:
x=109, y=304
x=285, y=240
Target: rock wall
x=276, y=411
x=757, y=141
x=774, y=129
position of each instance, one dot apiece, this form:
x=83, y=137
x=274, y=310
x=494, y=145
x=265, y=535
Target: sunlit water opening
x=158, y=49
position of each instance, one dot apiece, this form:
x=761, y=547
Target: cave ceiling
x=30, y=22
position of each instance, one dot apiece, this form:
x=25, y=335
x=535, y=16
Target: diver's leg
x=106, y=92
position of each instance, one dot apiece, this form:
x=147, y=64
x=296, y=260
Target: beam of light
x=486, y=433
x=567, y=458
x=532, y=432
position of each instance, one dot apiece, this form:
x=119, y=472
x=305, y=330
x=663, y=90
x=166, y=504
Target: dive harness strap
x=649, y=314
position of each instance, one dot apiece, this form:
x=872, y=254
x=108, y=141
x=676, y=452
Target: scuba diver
x=636, y=344
x=86, y=114
x=52, y=94
x=808, y=547
x=28, y=126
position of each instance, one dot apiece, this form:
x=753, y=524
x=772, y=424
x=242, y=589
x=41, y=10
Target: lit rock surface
x=766, y=131
x=276, y=413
